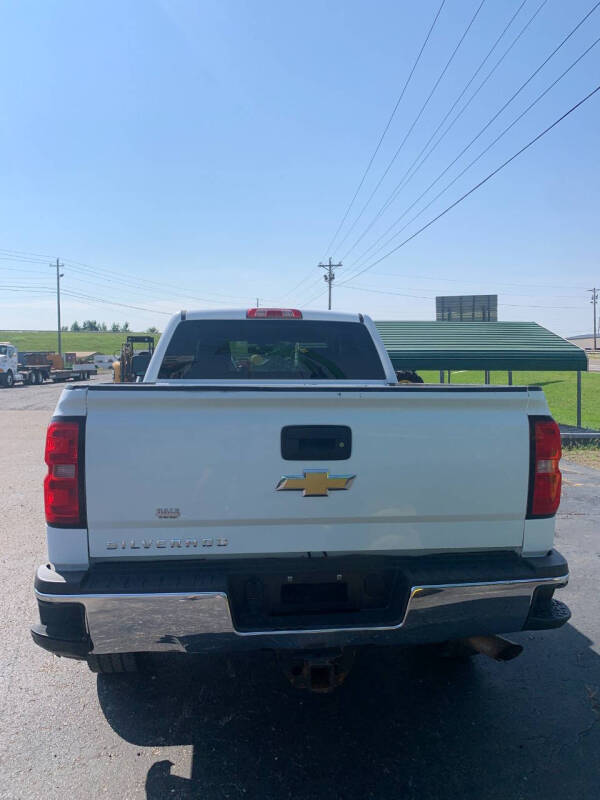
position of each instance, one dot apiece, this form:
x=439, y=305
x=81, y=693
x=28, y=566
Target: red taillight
x=545, y=477
x=273, y=313
x=61, y=485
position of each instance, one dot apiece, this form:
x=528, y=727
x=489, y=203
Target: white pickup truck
x=269, y=484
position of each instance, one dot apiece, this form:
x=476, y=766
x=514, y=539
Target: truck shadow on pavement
x=405, y=724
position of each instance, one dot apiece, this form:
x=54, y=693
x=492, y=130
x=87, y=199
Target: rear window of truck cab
x=271, y=349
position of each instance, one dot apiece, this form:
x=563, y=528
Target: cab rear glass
x=271, y=349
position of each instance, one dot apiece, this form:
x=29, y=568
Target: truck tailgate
x=177, y=472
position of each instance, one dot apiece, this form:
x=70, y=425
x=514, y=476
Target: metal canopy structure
x=478, y=345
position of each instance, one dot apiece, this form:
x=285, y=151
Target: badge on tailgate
x=314, y=483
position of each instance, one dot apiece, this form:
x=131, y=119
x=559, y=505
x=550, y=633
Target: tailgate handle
x=316, y=442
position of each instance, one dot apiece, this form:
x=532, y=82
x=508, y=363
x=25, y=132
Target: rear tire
x=113, y=663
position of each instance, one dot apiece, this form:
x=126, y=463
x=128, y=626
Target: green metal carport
x=486, y=346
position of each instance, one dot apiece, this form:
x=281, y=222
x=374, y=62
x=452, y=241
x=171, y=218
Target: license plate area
x=299, y=600
x=314, y=596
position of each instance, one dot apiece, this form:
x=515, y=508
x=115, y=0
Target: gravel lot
x=403, y=726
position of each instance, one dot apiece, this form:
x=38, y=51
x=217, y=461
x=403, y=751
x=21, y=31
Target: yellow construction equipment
x=132, y=363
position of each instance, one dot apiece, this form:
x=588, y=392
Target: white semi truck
x=32, y=369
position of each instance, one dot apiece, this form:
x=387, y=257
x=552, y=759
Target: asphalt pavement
x=404, y=725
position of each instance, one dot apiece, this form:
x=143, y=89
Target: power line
x=496, y=283
x=414, y=122
x=113, y=276
x=92, y=299
x=462, y=281
x=312, y=300
x=471, y=163
x=409, y=173
x=79, y=280
x=481, y=183
x=20, y=260
x=22, y=271
x=429, y=297
x=139, y=287
x=485, y=127
x=78, y=296
x=386, y=128
x=486, y=291
x=26, y=288
x=298, y=285
x=374, y=154
x=387, y=291
x=45, y=256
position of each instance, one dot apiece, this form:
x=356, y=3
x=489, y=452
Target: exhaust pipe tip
x=496, y=647
x=509, y=651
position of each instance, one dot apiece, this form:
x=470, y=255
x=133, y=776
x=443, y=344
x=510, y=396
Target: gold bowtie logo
x=314, y=483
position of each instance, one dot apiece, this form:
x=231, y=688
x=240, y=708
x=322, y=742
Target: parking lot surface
x=404, y=725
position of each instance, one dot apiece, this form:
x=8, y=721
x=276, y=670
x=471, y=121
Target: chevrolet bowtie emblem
x=314, y=483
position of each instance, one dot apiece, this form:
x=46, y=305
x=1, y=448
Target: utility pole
x=329, y=276
x=59, y=275
x=594, y=300
x=257, y=302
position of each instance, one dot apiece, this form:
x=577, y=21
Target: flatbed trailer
x=37, y=367
x=34, y=368
x=36, y=374
x=81, y=372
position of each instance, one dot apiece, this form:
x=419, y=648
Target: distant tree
x=89, y=325
x=64, y=328
x=103, y=326
x=115, y=327
x=125, y=327
x=75, y=326
x=152, y=329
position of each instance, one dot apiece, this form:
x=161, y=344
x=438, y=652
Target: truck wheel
x=112, y=663
x=31, y=379
x=9, y=380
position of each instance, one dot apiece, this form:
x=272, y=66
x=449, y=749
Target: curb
x=581, y=438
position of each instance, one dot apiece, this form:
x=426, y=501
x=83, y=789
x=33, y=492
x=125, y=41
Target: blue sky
x=201, y=154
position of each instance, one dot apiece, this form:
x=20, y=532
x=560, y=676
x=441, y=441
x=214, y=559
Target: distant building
x=585, y=341
x=467, y=308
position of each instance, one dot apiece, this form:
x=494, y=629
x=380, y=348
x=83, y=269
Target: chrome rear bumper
x=195, y=621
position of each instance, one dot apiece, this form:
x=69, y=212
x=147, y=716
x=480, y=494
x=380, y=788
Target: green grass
x=96, y=341
x=560, y=389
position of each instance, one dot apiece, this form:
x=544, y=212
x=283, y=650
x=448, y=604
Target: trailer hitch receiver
x=319, y=671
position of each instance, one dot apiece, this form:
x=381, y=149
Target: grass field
x=560, y=389
x=95, y=341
